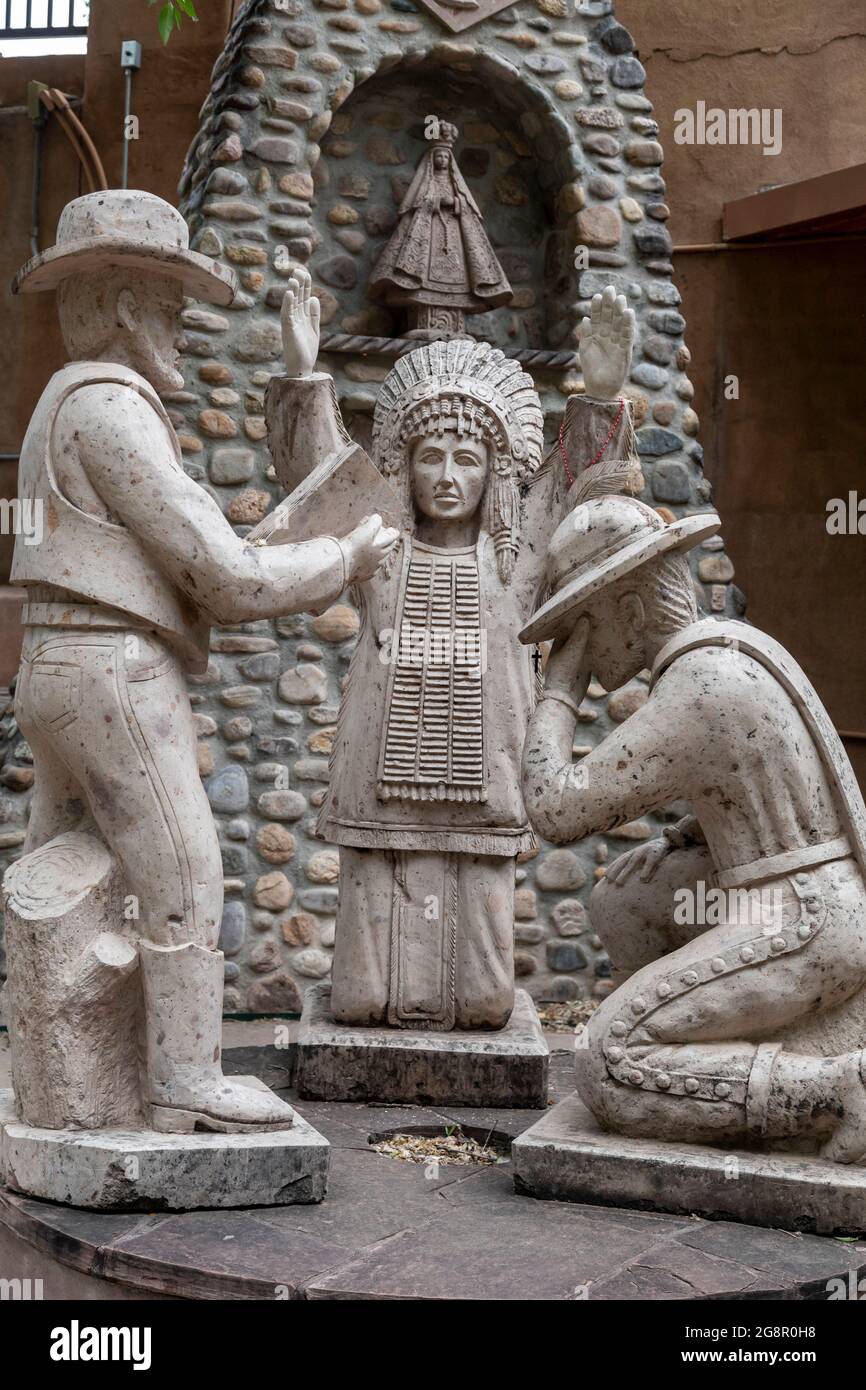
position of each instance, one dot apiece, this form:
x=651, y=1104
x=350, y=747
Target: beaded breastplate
x=433, y=738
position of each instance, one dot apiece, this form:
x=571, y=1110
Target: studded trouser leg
x=690, y=1046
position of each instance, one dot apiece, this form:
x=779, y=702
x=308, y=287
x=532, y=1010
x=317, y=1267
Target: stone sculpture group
x=731, y=1031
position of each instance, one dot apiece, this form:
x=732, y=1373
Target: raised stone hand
x=606, y=339
x=299, y=320
x=367, y=546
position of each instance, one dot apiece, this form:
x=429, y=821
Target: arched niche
x=515, y=153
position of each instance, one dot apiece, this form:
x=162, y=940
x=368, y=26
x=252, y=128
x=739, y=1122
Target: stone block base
x=141, y=1170
x=406, y=1066
x=566, y=1157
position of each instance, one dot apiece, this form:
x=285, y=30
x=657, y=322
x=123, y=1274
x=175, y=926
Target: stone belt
x=780, y=865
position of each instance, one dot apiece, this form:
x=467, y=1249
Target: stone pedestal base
x=567, y=1157
x=140, y=1170
x=405, y=1066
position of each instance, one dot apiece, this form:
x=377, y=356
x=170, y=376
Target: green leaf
x=188, y=8
x=168, y=18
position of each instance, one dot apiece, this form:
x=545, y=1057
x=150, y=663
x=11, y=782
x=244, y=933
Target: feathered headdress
x=475, y=389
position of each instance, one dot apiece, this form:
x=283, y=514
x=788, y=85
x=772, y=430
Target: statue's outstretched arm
x=597, y=437
x=130, y=459
x=597, y=432
x=592, y=429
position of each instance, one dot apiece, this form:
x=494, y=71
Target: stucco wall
x=169, y=90
x=790, y=323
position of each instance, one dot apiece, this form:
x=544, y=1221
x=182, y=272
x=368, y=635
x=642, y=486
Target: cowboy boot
x=185, y=1086
x=847, y=1143
x=793, y=1095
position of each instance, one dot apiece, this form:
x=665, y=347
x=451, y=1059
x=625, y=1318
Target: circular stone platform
x=390, y=1229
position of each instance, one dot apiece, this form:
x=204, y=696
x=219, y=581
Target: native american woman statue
x=424, y=798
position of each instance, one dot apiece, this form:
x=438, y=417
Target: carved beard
x=159, y=368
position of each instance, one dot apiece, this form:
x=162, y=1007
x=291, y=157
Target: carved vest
x=99, y=561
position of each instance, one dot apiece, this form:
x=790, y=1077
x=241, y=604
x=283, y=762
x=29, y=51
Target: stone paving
x=395, y=1230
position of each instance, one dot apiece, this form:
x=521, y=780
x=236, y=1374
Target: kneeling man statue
x=749, y=1025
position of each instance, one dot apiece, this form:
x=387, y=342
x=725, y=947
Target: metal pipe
x=127, y=112
x=93, y=153
x=36, y=185
x=130, y=61
x=48, y=99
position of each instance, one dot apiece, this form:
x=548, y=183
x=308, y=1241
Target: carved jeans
x=107, y=715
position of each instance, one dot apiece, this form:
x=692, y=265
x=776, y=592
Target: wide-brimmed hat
x=600, y=541
x=125, y=227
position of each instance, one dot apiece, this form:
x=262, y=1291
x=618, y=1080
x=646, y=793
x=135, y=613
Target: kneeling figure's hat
x=600, y=541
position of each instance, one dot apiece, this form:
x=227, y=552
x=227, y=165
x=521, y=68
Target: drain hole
x=452, y=1144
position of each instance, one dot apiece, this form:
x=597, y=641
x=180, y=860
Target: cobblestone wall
x=312, y=129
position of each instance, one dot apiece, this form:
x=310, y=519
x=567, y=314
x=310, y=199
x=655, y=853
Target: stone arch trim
x=290, y=154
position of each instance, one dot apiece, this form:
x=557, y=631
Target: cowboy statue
x=737, y=939
x=424, y=797
x=136, y=562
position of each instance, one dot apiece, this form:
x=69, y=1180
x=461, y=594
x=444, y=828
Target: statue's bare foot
x=848, y=1141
